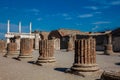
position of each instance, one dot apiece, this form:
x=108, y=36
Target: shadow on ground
x=118, y=63
x=16, y=58
x=32, y=62
x=61, y=69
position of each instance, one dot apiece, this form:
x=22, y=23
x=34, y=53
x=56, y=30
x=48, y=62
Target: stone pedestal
x=108, y=47
x=85, y=57
x=70, y=44
x=25, y=48
x=2, y=47
x=12, y=50
x=46, y=52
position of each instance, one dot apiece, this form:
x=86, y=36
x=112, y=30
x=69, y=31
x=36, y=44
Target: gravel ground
x=12, y=69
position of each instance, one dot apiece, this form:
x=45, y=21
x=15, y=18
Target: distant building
x=64, y=35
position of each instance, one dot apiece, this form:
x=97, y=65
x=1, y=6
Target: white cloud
x=115, y=3
x=39, y=19
x=34, y=11
x=2, y=34
x=85, y=16
x=91, y=7
x=65, y=15
x=68, y=18
x=102, y=22
x=95, y=28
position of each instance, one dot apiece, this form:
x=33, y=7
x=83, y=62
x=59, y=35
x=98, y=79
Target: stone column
x=12, y=49
x=37, y=38
x=25, y=48
x=108, y=47
x=46, y=52
x=70, y=44
x=2, y=47
x=17, y=40
x=85, y=57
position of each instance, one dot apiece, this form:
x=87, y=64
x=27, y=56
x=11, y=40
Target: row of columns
x=84, y=59
x=8, y=27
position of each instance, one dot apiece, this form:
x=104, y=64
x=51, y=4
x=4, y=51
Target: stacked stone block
x=85, y=57
x=12, y=49
x=46, y=52
x=26, y=47
x=2, y=46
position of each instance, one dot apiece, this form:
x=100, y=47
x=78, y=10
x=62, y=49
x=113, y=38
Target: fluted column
x=26, y=48
x=108, y=47
x=46, y=52
x=85, y=56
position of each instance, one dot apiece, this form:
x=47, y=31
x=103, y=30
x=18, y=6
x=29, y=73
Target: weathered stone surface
x=17, y=40
x=2, y=46
x=56, y=43
x=85, y=57
x=110, y=76
x=46, y=52
x=108, y=47
x=12, y=49
x=70, y=44
x=26, y=47
x=37, y=38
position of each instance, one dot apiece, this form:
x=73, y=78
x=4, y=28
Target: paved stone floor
x=12, y=69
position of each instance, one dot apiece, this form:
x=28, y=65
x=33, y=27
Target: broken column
x=2, y=47
x=70, y=44
x=108, y=47
x=17, y=40
x=37, y=38
x=46, y=52
x=12, y=49
x=25, y=48
x=85, y=57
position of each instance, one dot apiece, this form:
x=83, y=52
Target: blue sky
x=47, y=15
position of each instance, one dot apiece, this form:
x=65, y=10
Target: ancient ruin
x=70, y=44
x=108, y=47
x=46, y=52
x=85, y=57
x=12, y=49
x=26, y=48
x=110, y=75
x=2, y=47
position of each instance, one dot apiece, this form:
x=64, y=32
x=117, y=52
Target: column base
x=108, y=49
x=85, y=70
x=12, y=54
x=108, y=52
x=70, y=49
x=3, y=52
x=44, y=61
x=25, y=57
